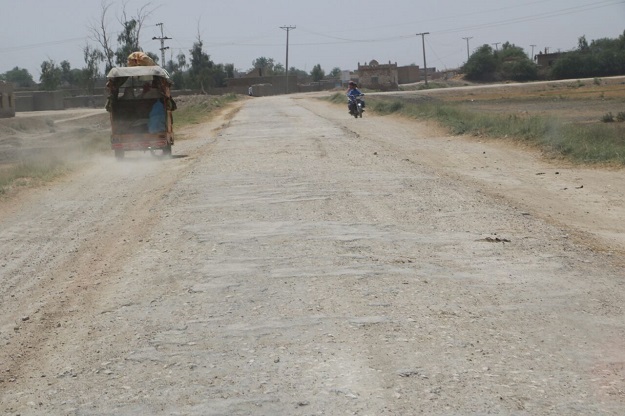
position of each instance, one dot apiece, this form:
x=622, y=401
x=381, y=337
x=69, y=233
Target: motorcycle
x=356, y=105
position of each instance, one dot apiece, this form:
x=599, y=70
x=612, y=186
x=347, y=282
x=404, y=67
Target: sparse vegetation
x=198, y=108
x=608, y=118
x=32, y=171
x=577, y=140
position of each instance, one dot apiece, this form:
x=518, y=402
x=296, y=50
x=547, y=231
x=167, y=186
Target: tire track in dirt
x=103, y=214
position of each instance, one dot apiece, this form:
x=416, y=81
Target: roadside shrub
x=608, y=118
x=620, y=117
x=598, y=143
x=387, y=107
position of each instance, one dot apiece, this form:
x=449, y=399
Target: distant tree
x=511, y=63
x=573, y=65
x=90, y=73
x=481, y=65
x=128, y=41
x=219, y=75
x=266, y=65
x=278, y=69
x=301, y=74
x=18, y=77
x=335, y=73
x=128, y=38
x=317, y=73
x=100, y=34
x=50, y=75
x=602, y=57
x=182, y=60
x=514, y=64
x=176, y=70
x=582, y=44
x=68, y=77
x=229, y=68
x=201, y=66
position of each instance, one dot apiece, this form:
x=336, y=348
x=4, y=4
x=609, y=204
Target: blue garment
x=156, y=122
x=353, y=92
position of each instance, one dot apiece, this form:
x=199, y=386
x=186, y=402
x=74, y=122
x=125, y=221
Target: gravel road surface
x=291, y=260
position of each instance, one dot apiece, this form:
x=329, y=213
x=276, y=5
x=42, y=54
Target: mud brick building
x=378, y=76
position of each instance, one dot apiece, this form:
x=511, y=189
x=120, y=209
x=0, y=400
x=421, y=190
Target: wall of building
x=85, y=101
x=408, y=74
x=7, y=100
x=380, y=77
x=547, y=59
x=263, y=86
x=39, y=101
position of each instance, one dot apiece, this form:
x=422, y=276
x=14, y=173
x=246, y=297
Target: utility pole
x=496, y=45
x=163, y=38
x=532, y=51
x=288, y=29
x=467, y=39
x=425, y=65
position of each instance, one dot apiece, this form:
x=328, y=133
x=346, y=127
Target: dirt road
x=291, y=260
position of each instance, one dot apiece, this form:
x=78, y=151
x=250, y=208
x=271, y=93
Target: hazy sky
x=328, y=32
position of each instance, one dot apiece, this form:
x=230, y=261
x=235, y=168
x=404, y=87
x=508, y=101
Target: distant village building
x=377, y=76
x=7, y=100
x=387, y=76
x=545, y=59
x=408, y=74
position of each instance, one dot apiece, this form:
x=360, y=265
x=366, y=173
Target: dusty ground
x=49, y=133
x=291, y=260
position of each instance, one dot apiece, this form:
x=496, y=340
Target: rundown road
x=291, y=260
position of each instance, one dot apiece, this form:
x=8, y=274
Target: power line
x=540, y=16
x=555, y=13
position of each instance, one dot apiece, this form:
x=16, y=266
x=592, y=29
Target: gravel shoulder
x=290, y=260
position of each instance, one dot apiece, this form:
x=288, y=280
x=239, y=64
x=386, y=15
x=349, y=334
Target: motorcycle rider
x=352, y=93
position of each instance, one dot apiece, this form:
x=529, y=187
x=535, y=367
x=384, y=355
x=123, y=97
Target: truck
x=140, y=106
